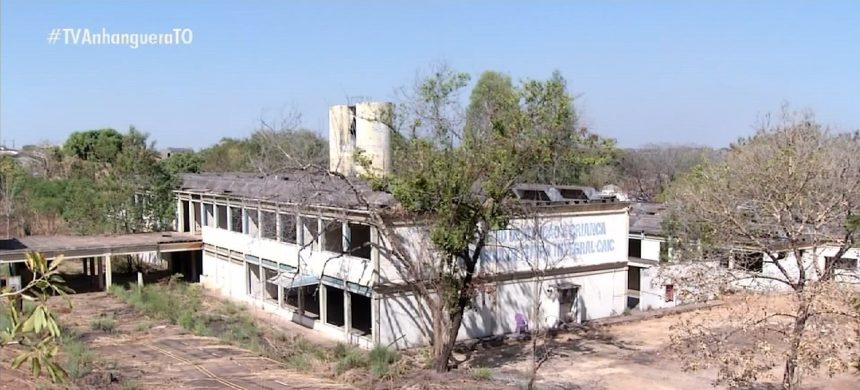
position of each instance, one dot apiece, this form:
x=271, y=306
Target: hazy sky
x=645, y=72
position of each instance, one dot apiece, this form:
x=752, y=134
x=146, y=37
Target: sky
x=701, y=72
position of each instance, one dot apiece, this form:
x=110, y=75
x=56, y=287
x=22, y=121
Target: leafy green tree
x=182, y=163
x=457, y=176
x=570, y=150
x=95, y=145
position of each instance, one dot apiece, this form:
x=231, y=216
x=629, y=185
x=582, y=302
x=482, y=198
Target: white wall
x=651, y=249
x=601, y=294
x=562, y=240
x=222, y=275
x=314, y=262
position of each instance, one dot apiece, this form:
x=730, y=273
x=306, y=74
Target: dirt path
x=145, y=354
x=619, y=357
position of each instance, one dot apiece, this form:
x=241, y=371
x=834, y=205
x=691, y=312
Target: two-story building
x=309, y=246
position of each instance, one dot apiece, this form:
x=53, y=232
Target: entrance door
x=634, y=285
x=568, y=302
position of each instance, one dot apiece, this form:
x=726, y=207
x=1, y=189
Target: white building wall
x=602, y=294
x=223, y=275
x=651, y=249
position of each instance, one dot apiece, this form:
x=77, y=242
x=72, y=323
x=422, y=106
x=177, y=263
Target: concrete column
x=262, y=279
x=229, y=217
x=320, y=238
x=347, y=312
x=323, y=303
x=215, y=214
x=374, y=279
x=193, y=276
x=192, y=221
x=245, y=229
x=108, y=273
x=84, y=264
x=278, y=227
x=300, y=230
x=259, y=222
x=345, y=233
x=180, y=226
x=100, y=272
x=301, y=300
x=139, y=279
x=280, y=296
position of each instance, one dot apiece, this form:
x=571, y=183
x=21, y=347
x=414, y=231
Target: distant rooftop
x=647, y=218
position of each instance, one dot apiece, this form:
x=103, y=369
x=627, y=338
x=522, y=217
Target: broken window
x=209, y=215
x=186, y=216
x=255, y=283
x=268, y=225
x=359, y=240
x=572, y=193
x=222, y=217
x=270, y=294
x=310, y=230
x=333, y=231
x=334, y=306
x=253, y=221
x=288, y=228
x=750, y=261
x=537, y=195
x=236, y=219
x=842, y=263
x=291, y=297
x=311, y=300
x=361, y=313
x=634, y=247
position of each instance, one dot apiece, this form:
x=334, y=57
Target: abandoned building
x=650, y=253
x=306, y=246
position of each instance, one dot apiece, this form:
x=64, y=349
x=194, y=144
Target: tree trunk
x=447, y=345
x=791, y=377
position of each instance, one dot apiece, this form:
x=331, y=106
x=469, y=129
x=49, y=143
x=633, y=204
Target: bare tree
x=778, y=214
x=646, y=172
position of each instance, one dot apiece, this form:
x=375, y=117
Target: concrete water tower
x=365, y=126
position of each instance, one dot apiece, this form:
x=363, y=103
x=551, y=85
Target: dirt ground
x=631, y=355
x=160, y=356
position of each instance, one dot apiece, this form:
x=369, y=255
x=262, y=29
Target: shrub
x=104, y=323
x=482, y=374
x=349, y=357
x=381, y=359
x=144, y=326
x=79, y=357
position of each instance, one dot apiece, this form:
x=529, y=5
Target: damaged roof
x=295, y=187
x=647, y=218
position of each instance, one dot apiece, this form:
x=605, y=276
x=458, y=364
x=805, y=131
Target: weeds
x=482, y=374
x=349, y=357
x=104, y=323
x=144, y=326
x=381, y=359
x=181, y=304
x=79, y=357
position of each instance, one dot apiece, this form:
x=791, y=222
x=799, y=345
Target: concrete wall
x=309, y=260
x=556, y=241
x=405, y=323
x=651, y=249
x=365, y=126
x=224, y=276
